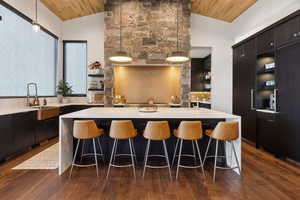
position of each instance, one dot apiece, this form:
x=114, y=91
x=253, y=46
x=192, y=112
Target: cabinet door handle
x=272, y=44
x=275, y=99
x=295, y=34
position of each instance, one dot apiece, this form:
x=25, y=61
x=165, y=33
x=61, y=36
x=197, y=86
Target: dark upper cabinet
x=244, y=59
x=265, y=42
x=288, y=31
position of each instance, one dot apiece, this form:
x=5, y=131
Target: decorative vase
x=60, y=98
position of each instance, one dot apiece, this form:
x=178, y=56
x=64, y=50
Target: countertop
x=162, y=113
x=29, y=109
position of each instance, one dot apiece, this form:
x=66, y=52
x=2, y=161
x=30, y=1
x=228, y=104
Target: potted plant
x=63, y=89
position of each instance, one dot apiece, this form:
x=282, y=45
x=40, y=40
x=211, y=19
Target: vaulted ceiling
x=226, y=10
x=70, y=9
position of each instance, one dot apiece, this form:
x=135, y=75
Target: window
x=25, y=56
x=75, y=66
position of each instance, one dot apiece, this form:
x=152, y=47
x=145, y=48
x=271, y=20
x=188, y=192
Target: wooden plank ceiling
x=70, y=9
x=226, y=10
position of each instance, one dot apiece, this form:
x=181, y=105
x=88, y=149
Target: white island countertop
x=66, y=125
x=162, y=113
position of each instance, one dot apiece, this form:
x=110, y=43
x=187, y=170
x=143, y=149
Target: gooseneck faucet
x=36, y=99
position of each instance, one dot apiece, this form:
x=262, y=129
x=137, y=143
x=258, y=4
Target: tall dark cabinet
x=268, y=64
x=288, y=60
x=244, y=79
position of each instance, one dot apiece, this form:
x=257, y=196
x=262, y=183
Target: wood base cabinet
x=269, y=134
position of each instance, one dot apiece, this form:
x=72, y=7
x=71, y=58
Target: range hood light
x=121, y=57
x=177, y=57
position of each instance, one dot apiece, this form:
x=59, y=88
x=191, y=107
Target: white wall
x=262, y=14
x=45, y=17
x=90, y=28
x=208, y=32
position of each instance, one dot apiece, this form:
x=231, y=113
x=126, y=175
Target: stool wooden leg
x=146, y=157
x=216, y=155
x=101, y=151
x=207, y=148
x=82, y=150
x=179, y=156
x=74, y=158
x=111, y=158
x=236, y=158
x=167, y=158
x=201, y=163
x=95, y=153
x=132, y=159
x=175, y=151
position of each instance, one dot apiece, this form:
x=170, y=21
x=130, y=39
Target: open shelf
x=95, y=89
x=96, y=75
x=265, y=71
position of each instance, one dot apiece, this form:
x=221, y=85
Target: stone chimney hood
x=149, y=35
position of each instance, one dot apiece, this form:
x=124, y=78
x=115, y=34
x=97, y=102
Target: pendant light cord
x=120, y=24
x=177, y=24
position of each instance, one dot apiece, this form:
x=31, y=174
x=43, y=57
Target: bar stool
x=157, y=131
x=122, y=130
x=226, y=132
x=188, y=130
x=85, y=130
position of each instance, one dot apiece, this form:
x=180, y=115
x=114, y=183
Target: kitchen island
x=103, y=117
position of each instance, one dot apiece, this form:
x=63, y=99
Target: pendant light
x=120, y=56
x=177, y=56
x=35, y=26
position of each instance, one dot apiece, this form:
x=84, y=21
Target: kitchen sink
x=47, y=112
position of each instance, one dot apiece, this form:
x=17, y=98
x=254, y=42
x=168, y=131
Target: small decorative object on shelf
x=95, y=68
x=175, y=100
x=63, y=89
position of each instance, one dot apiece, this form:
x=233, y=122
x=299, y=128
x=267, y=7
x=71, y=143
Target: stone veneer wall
x=149, y=34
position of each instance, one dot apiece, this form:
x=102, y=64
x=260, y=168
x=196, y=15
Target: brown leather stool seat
x=226, y=132
x=157, y=131
x=85, y=130
x=192, y=131
x=122, y=130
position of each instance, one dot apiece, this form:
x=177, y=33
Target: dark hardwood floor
x=264, y=177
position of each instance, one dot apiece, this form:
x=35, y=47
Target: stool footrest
x=121, y=166
x=215, y=156
x=91, y=154
x=117, y=155
x=153, y=155
x=78, y=165
x=186, y=155
x=157, y=167
x=190, y=167
x=226, y=168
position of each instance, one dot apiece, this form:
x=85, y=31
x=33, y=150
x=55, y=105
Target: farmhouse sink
x=47, y=112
